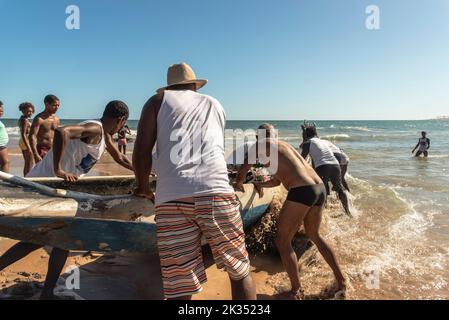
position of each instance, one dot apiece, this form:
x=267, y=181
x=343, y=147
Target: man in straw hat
x=193, y=194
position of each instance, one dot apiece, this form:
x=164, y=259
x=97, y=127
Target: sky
x=265, y=60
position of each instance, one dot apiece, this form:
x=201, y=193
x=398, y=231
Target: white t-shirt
x=321, y=153
x=190, y=147
x=78, y=157
x=337, y=150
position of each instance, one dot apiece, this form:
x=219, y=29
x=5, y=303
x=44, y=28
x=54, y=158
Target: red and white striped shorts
x=180, y=227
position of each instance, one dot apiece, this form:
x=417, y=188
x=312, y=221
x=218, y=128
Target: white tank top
x=321, y=153
x=78, y=158
x=194, y=123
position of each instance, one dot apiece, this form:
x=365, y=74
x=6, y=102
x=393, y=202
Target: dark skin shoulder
x=144, y=144
x=118, y=157
x=305, y=149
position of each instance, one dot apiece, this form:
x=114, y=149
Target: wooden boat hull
x=93, y=222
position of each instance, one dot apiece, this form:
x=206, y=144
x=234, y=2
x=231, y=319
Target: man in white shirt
x=325, y=163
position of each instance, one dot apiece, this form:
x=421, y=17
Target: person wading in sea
x=423, y=145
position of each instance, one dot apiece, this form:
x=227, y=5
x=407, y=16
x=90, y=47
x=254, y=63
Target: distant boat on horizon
x=441, y=118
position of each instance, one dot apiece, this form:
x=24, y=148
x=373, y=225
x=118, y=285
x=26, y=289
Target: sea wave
x=366, y=137
x=340, y=136
x=388, y=238
x=13, y=131
x=364, y=129
x=438, y=156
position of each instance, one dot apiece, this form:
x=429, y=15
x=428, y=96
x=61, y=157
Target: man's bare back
x=292, y=170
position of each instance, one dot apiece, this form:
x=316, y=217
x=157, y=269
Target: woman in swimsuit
x=27, y=110
x=122, y=141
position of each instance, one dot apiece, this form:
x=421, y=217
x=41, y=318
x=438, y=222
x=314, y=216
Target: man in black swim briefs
x=304, y=204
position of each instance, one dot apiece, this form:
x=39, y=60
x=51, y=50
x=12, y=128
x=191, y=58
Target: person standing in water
x=27, y=110
x=4, y=139
x=122, y=140
x=43, y=128
x=423, y=145
x=325, y=163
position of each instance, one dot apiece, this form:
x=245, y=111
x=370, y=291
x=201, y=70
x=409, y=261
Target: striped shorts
x=180, y=227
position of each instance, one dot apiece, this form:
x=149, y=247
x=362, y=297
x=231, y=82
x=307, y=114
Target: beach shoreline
x=399, y=231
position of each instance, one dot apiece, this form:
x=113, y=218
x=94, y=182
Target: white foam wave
x=340, y=136
x=365, y=129
x=13, y=131
x=394, y=245
x=438, y=156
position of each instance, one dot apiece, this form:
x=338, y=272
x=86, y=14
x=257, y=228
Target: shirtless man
x=304, y=204
x=43, y=128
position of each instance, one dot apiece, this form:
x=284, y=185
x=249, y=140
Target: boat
x=95, y=214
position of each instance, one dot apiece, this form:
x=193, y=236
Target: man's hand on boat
x=66, y=176
x=259, y=188
x=147, y=194
x=238, y=186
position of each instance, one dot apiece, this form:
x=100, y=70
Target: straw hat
x=182, y=73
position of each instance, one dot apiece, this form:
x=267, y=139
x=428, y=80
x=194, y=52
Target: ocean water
x=397, y=245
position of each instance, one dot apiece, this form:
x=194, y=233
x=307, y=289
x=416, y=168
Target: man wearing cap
x=193, y=195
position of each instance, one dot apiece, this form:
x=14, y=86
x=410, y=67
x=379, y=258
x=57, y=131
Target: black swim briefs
x=314, y=195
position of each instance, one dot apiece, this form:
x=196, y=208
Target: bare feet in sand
x=339, y=289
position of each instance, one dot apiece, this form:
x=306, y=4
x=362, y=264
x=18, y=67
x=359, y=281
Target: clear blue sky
x=288, y=59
